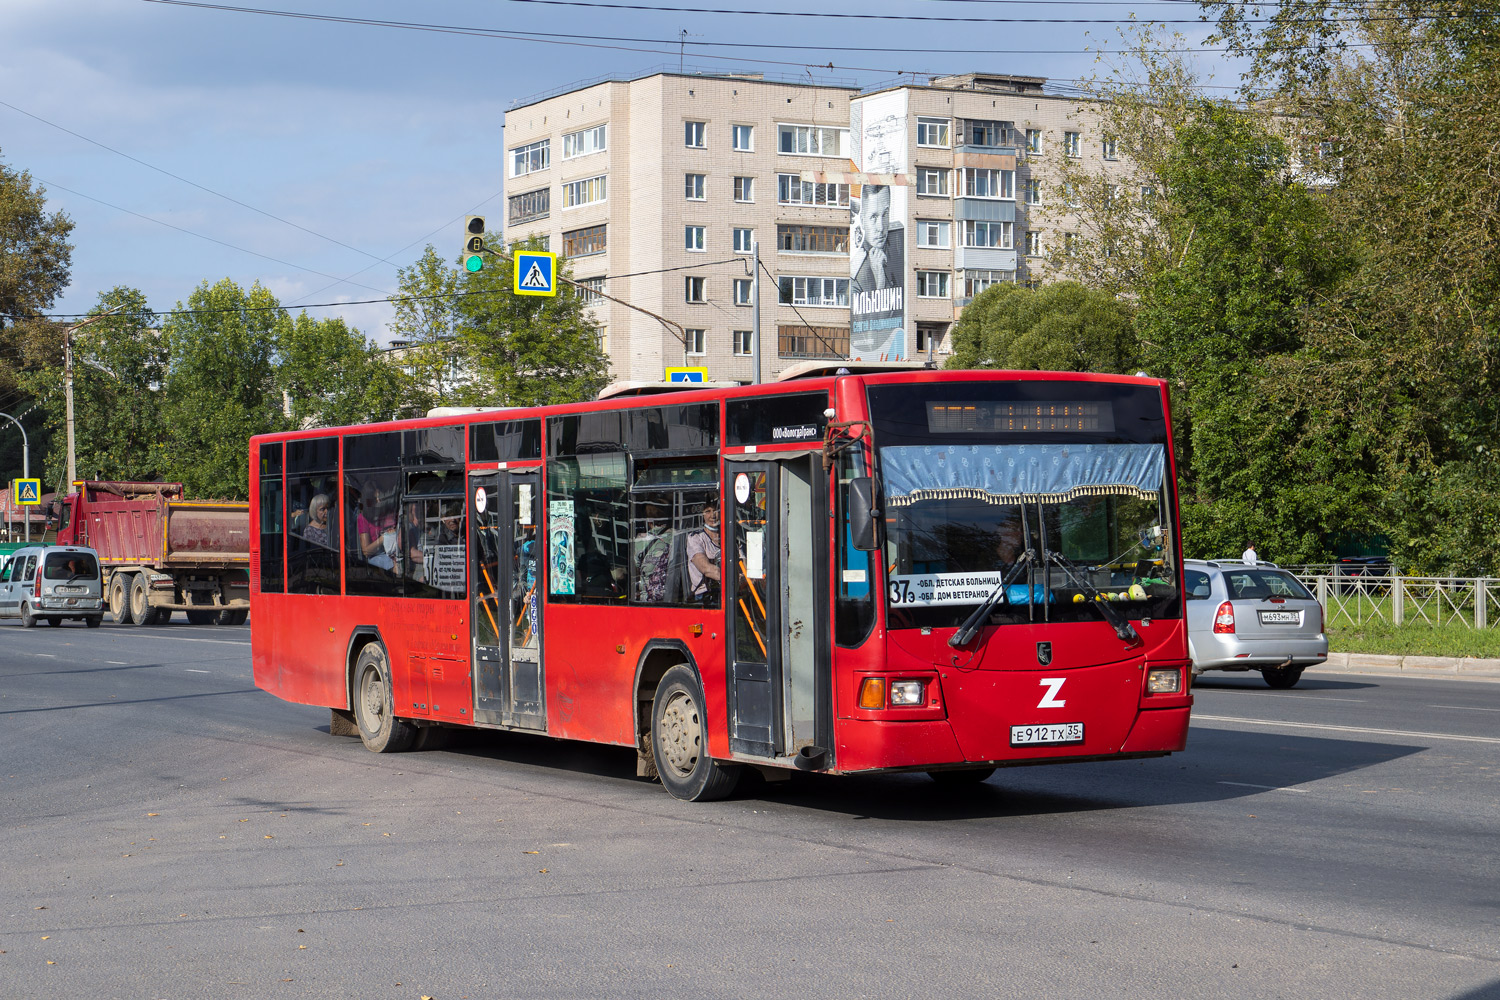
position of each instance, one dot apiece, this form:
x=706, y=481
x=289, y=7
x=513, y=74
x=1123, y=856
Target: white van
x=50, y=583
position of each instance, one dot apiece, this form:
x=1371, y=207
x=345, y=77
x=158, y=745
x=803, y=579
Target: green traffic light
x=473, y=263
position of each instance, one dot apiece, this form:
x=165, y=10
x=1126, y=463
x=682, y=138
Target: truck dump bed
x=148, y=524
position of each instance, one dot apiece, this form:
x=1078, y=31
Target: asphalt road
x=171, y=832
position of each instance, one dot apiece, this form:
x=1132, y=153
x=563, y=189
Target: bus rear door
x=505, y=608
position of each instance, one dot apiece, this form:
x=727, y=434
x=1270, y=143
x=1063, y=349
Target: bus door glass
x=775, y=691
x=505, y=610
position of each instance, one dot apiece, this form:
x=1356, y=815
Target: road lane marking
x=1301, y=696
x=192, y=671
x=50, y=656
x=1466, y=708
x=118, y=663
x=1348, y=729
x=1269, y=788
x=182, y=638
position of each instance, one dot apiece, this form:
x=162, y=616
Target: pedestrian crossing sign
x=536, y=272
x=26, y=492
x=687, y=374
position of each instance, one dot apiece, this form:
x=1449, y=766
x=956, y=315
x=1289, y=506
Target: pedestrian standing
x=1248, y=556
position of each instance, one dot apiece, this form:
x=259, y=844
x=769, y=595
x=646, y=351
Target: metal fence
x=1406, y=600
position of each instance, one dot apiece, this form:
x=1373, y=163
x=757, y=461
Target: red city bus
x=942, y=571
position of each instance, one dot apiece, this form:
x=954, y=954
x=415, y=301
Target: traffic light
x=473, y=256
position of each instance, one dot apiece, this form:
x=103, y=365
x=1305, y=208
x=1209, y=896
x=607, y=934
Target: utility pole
x=25, y=467
x=755, y=313
x=68, y=391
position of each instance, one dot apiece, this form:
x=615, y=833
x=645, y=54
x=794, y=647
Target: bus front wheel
x=374, y=706
x=679, y=741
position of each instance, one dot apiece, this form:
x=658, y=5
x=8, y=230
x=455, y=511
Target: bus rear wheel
x=679, y=741
x=374, y=706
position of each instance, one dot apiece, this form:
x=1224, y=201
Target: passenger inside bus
x=651, y=553
x=377, y=529
x=703, y=554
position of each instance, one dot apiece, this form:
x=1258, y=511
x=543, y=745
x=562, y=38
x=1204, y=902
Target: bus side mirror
x=861, y=505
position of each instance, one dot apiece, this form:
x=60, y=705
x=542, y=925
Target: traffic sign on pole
x=536, y=272
x=26, y=492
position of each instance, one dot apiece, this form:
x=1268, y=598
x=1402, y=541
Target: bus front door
x=504, y=604
x=779, y=690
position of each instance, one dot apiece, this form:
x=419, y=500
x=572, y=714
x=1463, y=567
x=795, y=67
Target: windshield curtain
x=1020, y=473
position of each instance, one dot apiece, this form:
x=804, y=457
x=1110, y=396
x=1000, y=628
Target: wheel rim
x=681, y=733
x=372, y=703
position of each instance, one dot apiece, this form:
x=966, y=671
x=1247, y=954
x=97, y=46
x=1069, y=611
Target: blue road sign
x=536, y=273
x=687, y=374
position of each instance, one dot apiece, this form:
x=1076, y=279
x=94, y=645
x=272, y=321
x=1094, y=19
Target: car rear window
x=1195, y=584
x=1257, y=584
x=71, y=566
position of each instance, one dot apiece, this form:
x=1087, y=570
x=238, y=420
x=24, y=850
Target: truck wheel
x=119, y=598
x=374, y=705
x=28, y=620
x=141, y=611
x=204, y=617
x=233, y=616
x=679, y=741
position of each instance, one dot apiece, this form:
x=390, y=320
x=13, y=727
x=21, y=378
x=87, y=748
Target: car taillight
x=1320, y=616
x=1224, y=619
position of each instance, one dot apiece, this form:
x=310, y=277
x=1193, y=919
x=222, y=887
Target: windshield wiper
x=974, y=622
x=1117, y=621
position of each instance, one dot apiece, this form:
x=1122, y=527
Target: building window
x=743, y=240
x=812, y=140
x=812, y=239
x=693, y=134
x=744, y=189
x=693, y=289
x=987, y=183
x=1111, y=150
x=741, y=343
x=1034, y=141
x=528, y=206
x=1111, y=191
x=585, y=192
x=932, y=284
x=986, y=133
x=692, y=238
x=932, y=132
x=932, y=181
x=793, y=190
x=812, y=341
x=582, y=242
x=694, y=186
x=977, y=281
x=1033, y=191
x=932, y=233
x=930, y=337
x=1147, y=192
x=531, y=158
x=832, y=292
x=1071, y=144
x=742, y=288
x=696, y=339
x=582, y=143
x=1070, y=194
x=1070, y=244
x=988, y=234
x=744, y=138
x=1034, y=243
x=591, y=287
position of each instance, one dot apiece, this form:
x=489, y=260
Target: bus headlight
x=1164, y=681
x=908, y=692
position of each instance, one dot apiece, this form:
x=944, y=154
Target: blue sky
x=360, y=144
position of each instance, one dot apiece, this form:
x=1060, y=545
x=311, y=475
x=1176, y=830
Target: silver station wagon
x=1243, y=617
x=51, y=583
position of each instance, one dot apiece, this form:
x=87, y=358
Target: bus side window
x=854, y=609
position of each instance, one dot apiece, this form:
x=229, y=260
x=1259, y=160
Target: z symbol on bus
x=1050, y=699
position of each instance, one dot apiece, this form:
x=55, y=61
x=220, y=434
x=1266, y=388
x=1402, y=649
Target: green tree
x=527, y=350
x=433, y=358
x=1062, y=326
x=331, y=375
x=35, y=257
x=221, y=386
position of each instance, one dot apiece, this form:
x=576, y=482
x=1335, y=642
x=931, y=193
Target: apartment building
x=878, y=216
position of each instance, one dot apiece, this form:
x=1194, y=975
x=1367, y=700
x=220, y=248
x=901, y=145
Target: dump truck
x=160, y=552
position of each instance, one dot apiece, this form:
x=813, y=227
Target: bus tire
x=961, y=779
x=374, y=705
x=119, y=598
x=1283, y=677
x=679, y=741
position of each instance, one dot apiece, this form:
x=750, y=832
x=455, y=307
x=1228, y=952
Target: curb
x=1411, y=666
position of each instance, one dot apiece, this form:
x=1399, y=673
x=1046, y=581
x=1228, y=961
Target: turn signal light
x=872, y=692
x=1224, y=619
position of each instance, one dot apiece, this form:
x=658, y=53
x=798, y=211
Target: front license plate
x=1281, y=618
x=1052, y=734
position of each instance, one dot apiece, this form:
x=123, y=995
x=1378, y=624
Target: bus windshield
x=1059, y=491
